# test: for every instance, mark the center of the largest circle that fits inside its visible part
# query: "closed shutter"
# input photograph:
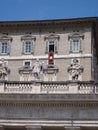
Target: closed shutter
(0, 47)
(71, 45)
(47, 46)
(80, 45)
(32, 47)
(8, 47)
(56, 47)
(23, 47)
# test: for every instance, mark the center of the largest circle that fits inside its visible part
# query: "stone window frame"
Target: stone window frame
(27, 61)
(5, 39)
(51, 38)
(25, 39)
(79, 37)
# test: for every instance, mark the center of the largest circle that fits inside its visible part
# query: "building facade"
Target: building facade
(48, 74)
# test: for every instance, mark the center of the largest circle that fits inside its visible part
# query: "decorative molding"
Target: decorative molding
(71, 104)
(5, 38)
(52, 36)
(32, 57)
(76, 35)
(28, 37)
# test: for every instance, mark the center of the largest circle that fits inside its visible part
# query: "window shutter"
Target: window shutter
(80, 45)
(47, 46)
(23, 47)
(56, 48)
(8, 47)
(71, 45)
(32, 47)
(0, 47)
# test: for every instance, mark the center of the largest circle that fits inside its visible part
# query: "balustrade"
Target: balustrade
(86, 88)
(47, 87)
(54, 88)
(18, 87)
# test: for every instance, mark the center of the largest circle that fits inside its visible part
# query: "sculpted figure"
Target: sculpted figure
(3, 70)
(75, 69)
(37, 68)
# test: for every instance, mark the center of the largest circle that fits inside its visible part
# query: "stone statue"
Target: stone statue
(4, 71)
(75, 69)
(37, 69)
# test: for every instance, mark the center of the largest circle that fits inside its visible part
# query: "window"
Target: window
(51, 41)
(4, 48)
(75, 45)
(28, 48)
(27, 64)
(51, 45)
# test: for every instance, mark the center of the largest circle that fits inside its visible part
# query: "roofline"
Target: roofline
(50, 20)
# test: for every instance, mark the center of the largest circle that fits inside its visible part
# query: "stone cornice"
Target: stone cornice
(5, 38)
(76, 35)
(52, 36)
(28, 37)
(45, 23)
(53, 98)
(50, 105)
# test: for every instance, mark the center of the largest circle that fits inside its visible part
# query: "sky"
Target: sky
(19, 10)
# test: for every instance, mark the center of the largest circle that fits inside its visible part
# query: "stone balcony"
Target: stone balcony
(35, 87)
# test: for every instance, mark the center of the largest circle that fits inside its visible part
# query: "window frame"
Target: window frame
(31, 49)
(4, 50)
(55, 43)
(27, 61)
(75, 47)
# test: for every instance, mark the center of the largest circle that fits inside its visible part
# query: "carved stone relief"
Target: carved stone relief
(4, 71)
(37, 70)
(75, 70)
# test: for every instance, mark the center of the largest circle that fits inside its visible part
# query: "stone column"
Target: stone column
(33, 127)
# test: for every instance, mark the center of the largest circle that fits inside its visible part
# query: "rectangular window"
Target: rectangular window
(4, 48)
(51, 48)
(28, 47)
(51, 45)
(27, 64)
(75, 45)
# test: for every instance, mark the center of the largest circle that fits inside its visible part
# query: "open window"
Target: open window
(52, 43)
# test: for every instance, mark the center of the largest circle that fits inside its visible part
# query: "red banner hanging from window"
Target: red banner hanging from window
(51, 58)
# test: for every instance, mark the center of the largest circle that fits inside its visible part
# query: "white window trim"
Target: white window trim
(8, 47)
(26, 61)
(79, 48)
(55, 45)
(32, 47)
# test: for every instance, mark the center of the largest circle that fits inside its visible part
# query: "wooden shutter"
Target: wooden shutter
(71, 42)
(56, 47)
(8, 47)
(47, 46)
(23, 47)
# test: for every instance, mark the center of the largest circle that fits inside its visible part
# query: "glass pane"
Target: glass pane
(75, 45)
(28, 47)
(4, 47)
